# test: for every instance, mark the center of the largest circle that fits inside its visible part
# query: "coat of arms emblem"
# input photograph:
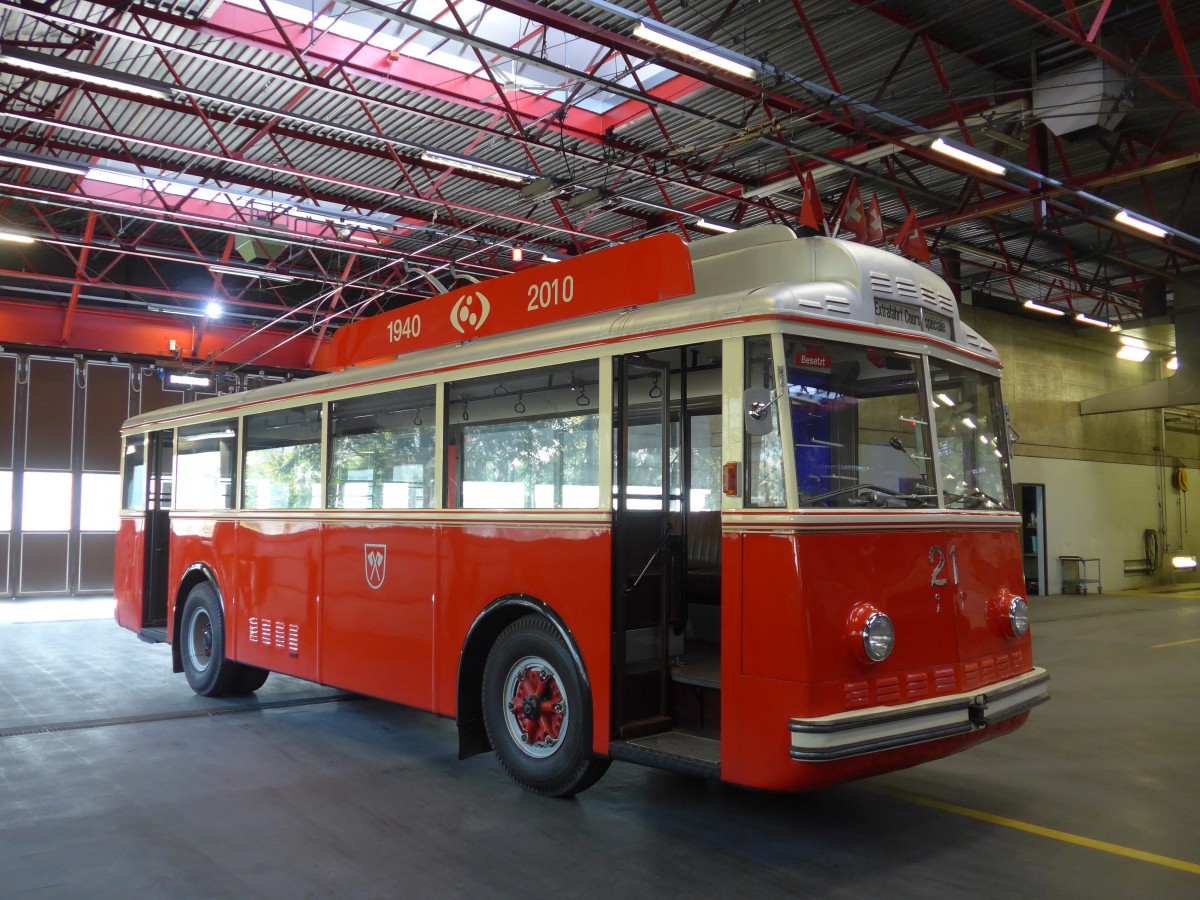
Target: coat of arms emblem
(375, 562)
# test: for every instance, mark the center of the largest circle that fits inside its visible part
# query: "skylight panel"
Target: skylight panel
(499, 27)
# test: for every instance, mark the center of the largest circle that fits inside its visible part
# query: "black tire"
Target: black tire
(251, 679)
(530, 670)
(202, 645)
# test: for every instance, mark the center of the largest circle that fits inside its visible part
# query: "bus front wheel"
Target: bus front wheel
(534, 711)
(202, 647)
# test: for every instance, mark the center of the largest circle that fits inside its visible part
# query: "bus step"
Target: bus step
(676, 751)
(153, 635)
(643, 727)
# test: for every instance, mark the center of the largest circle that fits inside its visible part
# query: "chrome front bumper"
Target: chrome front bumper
(888, 727)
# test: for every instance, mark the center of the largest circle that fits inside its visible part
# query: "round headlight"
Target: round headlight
(1018, 616)
(878, 637)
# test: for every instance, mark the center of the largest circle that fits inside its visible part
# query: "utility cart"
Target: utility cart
(1077, 566)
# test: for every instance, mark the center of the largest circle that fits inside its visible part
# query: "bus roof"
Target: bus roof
(760, 273)
(633, 274)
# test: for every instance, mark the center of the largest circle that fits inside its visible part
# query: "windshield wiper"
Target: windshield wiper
(973, 499)
(870, 495)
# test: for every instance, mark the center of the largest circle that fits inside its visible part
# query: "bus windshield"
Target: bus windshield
(972, 450)
(861, 427)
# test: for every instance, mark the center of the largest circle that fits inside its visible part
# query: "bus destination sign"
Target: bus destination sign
(634, 274)
(913, 318)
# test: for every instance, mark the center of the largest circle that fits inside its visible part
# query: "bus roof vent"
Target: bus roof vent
(838, 305)
(881, 283)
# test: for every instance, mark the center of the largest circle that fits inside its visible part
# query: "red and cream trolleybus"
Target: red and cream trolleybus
(740, 509)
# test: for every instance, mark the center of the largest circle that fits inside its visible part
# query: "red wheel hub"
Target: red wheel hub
(538, 705)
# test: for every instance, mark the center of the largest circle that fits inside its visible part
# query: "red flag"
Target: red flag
(853, 216)
(911, 241)
(874, 222)
(811, 213)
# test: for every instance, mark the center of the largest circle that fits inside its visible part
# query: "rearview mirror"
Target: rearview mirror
(756, 407)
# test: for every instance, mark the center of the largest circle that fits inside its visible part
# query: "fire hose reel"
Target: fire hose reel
(1179, 478)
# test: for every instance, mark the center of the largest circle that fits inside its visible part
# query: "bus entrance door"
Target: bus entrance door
(158, 534)
(666, 560)
(644, 541)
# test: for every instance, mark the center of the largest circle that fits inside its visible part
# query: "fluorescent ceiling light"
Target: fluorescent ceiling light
(1173, 363)
(1183, 562)
(1140, 224)
(550, 257)
(966, 156)
(586, 199)
(42, 162)
(52, 66)
(996, 113)
(715, 226)
(174, 311)
(539, 187)
(945, 398)
(15, 237)
(670, 39)
(966, 420)
(474, 165)
(1132, 353)
(1048, 310)
(1088, 320)
(194, 381)
(661, 207)
(250, 273)
(774, 187)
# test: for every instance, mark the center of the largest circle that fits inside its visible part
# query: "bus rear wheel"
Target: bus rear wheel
(202, 648)
(251, 679)
(534, 711)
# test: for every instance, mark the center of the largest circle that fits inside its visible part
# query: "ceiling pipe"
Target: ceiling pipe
(1182, 388)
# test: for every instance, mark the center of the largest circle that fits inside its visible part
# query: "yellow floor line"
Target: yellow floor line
(1064, 836)
(1175, 643)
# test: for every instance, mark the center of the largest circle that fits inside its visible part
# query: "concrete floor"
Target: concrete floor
(116, 781)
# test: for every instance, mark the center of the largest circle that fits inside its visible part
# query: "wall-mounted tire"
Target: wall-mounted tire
(534, 711)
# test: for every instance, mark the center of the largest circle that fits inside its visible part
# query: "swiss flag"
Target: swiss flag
(811, 213)
(854, 217)
(874, 222)
(911, 240)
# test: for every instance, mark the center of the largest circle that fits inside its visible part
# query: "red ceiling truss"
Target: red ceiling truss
(300, 146)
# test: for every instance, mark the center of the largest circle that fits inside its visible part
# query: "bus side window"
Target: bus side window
(134, 488)
(525, 440)
(204, 461)
(765, 486)
(283, 459)
(382, 451)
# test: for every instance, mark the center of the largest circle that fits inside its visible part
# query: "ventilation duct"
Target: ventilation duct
(1182, 388)
(1086, 97)
(254, 248)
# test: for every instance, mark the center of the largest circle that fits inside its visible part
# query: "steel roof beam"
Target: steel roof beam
(1081, 39)
(926, 29)
(1181, 51)
(592, 136)
(144, 334)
